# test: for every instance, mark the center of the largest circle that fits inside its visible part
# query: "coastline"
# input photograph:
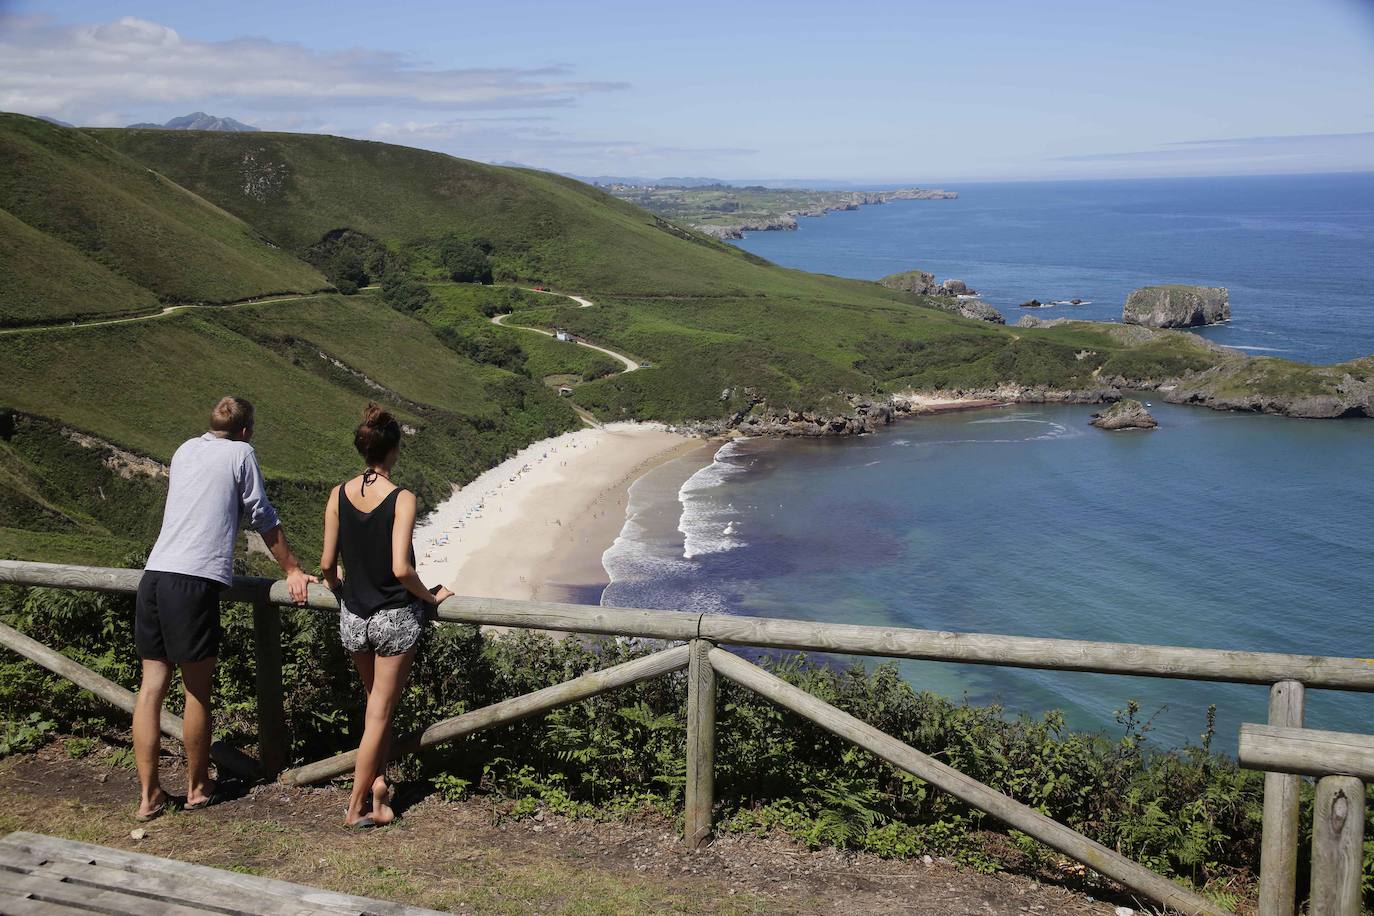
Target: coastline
(535, 526)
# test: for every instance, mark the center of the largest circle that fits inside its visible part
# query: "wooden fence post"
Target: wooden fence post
(701, 745)
(273, 741)
(1279, 845)
(1337, 846)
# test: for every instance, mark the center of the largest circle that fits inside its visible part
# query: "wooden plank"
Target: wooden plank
(208, 896)
(229, 758)
(99, 899)
(579, 688)
(701, 745)
(892, 642)
(1279, 845)
(274, 743)
(1009, 811)
(25, 906)
(1307, 751)
(232, 882)
(1337, 846)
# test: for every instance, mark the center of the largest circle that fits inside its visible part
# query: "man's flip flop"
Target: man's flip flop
(214, 798)
(154, 814)
(363, 823)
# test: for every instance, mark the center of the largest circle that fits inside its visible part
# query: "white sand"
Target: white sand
(542, 518)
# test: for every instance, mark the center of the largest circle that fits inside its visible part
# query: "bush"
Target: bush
(350, 259)
(404, 294)
(466, 261)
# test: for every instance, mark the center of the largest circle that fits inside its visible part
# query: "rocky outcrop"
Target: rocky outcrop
(951, 296)
(1030, 321)
(1263, 385)
(1125, 414)
(1177, 306)
(977, 309)
(912, 281)
(1031, 304)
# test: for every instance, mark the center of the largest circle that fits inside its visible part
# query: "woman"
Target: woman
(368, 522)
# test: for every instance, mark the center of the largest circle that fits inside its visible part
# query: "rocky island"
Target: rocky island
(1126, 413)
(1177, 306)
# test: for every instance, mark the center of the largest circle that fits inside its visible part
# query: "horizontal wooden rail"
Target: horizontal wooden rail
(231, 758)
(1314, 671)
(1306, 751)
(507, 711)
(1011, 812)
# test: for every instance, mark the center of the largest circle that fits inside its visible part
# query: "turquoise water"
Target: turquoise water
(1216, 530)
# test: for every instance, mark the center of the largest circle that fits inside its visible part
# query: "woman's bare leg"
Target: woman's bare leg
(388, 679)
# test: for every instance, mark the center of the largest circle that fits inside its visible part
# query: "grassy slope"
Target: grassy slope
(133, 221)
(45, 279)
(467, 415)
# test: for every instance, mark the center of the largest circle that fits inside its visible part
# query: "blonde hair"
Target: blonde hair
(231, 417)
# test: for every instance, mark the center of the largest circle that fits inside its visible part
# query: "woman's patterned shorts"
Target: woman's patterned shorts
(392, 631)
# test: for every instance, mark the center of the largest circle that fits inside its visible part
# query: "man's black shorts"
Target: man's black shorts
(177, 617)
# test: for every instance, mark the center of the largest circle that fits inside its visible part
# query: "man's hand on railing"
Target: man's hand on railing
(298, 584)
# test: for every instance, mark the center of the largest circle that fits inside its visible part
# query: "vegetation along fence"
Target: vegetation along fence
(1282, 747)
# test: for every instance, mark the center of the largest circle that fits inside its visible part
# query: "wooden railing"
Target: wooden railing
(1288, 676)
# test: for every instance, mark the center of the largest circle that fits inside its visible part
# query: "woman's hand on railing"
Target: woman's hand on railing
(440, 592)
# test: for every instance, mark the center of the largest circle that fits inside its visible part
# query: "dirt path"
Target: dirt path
(169, 310)
(474, 857)
(629, 364)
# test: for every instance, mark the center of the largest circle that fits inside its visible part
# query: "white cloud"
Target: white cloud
(80, 72)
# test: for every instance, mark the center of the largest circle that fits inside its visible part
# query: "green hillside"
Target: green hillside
(132, 222)
(309, 370)
(110, 222)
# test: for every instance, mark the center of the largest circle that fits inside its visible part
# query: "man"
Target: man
(215, 483)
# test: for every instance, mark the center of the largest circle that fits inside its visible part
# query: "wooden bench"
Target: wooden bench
(43, 874)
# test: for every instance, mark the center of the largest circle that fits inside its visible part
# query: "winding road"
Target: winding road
(629, 364)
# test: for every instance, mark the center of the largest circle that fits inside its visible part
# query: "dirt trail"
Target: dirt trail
(629, 364)
(169, 310)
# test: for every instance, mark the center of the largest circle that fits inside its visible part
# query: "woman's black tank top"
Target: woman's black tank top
(369, 585)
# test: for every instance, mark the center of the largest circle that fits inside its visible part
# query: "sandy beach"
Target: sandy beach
(536, 525)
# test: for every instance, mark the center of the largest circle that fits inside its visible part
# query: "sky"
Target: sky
(859, 91)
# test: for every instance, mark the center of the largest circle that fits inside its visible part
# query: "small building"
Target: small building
(564, 391)
(562, 335)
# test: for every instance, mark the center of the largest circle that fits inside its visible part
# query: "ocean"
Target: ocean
(1216, 530)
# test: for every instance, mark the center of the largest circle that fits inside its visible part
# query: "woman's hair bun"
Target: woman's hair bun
(377, 435)
(375, 416)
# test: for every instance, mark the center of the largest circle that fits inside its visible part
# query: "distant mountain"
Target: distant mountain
(54, 121)
(199, 120)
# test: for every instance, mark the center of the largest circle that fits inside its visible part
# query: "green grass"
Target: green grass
(130, 220)
(46, 280)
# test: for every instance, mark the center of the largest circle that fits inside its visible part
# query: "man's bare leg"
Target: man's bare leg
(152, 693)
(197, 678)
